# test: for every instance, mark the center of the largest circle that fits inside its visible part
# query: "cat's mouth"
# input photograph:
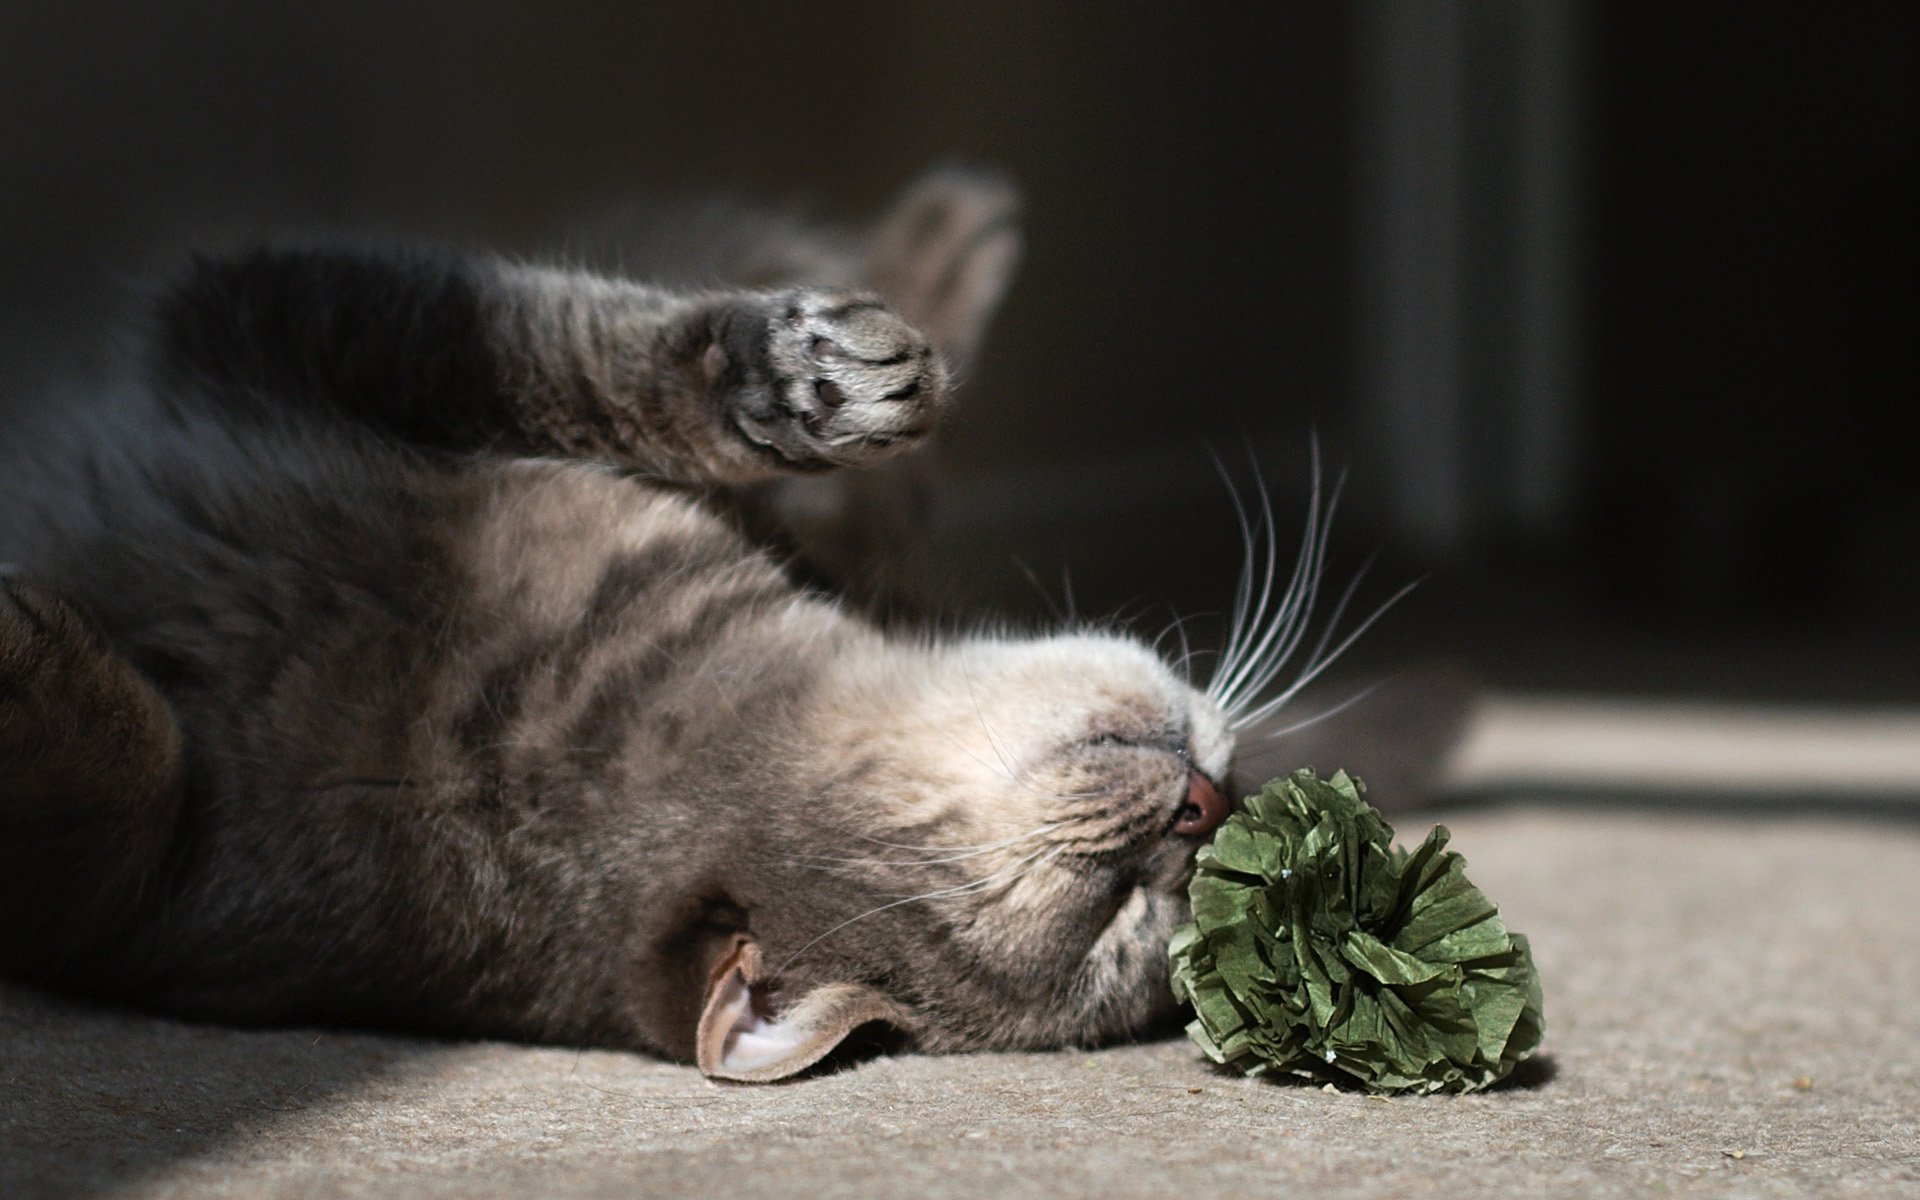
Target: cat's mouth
(1167, 864)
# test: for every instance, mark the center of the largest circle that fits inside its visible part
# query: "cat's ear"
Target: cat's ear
(747, 1034)
(944, 255)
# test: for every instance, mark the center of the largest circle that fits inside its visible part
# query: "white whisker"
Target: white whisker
(1243, 588)
(1246, 654)
(980, 715)
(1013, 774)
(949, 853)
(1265, 631)
(1265, 657)
(1007, 875)
(1335, 711)
(1313, 670)
(1291, 621)
(1031, 863)
(1178, 625)
(1340, 609)
(1045, 597)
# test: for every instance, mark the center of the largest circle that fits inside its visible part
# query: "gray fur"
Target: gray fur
(427, 681)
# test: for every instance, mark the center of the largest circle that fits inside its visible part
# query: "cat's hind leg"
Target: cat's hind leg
(91, 773)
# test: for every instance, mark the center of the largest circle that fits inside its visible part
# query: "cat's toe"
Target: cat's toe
(846, 382)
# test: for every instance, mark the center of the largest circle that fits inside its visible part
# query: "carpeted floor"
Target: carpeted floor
(1733, 1009)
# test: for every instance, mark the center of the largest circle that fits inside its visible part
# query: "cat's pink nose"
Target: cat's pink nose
(1205, 807)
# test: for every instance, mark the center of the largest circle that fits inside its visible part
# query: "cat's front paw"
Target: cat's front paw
(824, 378)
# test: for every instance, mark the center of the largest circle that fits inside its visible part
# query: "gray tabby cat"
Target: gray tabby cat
(396, 657)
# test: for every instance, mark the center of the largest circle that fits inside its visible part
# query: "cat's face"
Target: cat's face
(1094, 772)
(1006, 863)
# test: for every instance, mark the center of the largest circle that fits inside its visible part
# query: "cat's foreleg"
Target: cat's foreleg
(727, 386)
(737, 386)
(91, 774)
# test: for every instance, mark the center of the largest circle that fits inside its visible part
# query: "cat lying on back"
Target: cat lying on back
(396, 658)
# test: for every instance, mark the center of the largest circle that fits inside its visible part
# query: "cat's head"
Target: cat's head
(995, 850)
(998, 862)
(990, 843)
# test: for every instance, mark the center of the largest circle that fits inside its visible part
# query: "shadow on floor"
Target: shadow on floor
(95, 1100)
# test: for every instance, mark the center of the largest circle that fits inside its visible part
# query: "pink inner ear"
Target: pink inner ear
(737, 1040)
(728, 1003)
(739, 1037)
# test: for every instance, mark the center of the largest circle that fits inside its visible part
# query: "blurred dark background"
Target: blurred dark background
(1607, 308)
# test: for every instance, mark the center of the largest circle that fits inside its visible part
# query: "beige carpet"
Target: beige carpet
(1733, 1009)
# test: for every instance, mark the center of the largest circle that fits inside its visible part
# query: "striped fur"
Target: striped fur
(436, 690)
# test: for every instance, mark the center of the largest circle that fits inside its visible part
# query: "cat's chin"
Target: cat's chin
(1132, 948)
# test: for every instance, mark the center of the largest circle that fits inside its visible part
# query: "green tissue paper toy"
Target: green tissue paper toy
(1320, 949)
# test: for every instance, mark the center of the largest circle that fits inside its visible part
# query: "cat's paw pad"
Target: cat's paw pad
(839, 380)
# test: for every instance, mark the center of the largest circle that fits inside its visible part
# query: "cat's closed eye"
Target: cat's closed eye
(1169, 741)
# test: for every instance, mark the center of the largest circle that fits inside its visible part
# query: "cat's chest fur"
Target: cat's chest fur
(536, 690)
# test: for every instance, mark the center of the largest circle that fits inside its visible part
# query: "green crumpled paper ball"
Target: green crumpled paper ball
(1320, 949)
